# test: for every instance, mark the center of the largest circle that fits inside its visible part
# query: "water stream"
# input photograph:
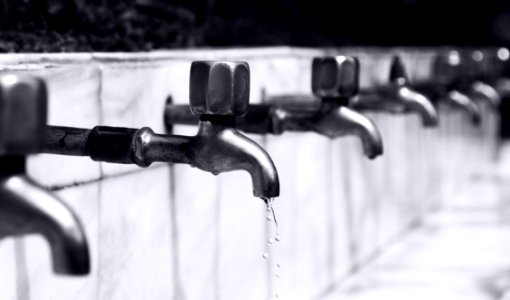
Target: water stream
(271, 217)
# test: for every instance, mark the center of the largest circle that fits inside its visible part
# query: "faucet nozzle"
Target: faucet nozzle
(25, 207)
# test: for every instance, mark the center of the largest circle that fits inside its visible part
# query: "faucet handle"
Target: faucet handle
(474, 64)
(335, 77)
(446, 67)
(23, 114)
(219, 88)
(398, 72)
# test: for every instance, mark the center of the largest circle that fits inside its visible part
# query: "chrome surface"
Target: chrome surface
(335, 80)
(397, 97)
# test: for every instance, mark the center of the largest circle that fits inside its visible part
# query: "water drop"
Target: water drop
(276, 296)
(265, 255)
(277, 275)
(269, 218)
(277, 237)
(279, 265)
(270, 241)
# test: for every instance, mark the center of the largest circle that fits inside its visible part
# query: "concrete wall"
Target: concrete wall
(173, 232)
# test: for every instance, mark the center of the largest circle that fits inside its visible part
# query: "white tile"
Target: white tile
(342, 240)
(13, 278)
(195, 207)
(363, 206)
(134, 95)
(242, 272)
(135, 237)
(302, 209)
(73, 101)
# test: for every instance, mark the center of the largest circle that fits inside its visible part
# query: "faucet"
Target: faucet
(397, 97)
(479, 77)
(501, 73)
(444, 86)
(335, 80)
(219, 92)
(26, 207)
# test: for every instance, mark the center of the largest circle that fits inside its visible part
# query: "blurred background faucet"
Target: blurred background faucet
(443, 88)
(219, 92)
(397, 97)
(501, 71)
(25, 207)
(335, 80)
(479, 77)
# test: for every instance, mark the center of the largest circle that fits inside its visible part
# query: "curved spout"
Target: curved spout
(342, 121)
(218, 149)
(487, 92)
(462, 101)
(417, 102)
(27, 208)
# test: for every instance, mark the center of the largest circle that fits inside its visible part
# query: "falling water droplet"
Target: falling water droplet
(270, 241)
(279, 265)
(277, 296)
(277, 237)
(265, 255)
(277, 275)
(269, 218)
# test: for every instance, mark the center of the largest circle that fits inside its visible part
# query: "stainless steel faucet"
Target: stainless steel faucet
(478, 71)
(25, 207)
(501, 71)
(397, 97)
(444, 86)
(219, 91)
(335, 80)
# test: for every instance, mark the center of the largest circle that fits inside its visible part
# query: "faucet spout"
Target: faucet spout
(27, 208)
(487, 92)
(419, 103)
(218, 148)
(462, 101)
(342, 121)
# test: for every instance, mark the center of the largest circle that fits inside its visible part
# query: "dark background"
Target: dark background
(137, 25)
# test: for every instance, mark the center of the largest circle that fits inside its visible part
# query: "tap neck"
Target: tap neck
(335, 101)
(211, 125)
(222, 121)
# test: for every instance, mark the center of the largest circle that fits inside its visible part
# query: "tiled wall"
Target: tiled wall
(173, 232)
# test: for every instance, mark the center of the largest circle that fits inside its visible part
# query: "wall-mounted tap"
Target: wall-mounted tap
(25, 207)
(219, 91)
(480, 78)
(335, 80)
(397, 97)
(444, 88)
(501, 73)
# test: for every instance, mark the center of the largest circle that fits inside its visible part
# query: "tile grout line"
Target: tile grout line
(174, 237)
(22, 276)
(100, 186)
(217, 245)
(55, 188)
